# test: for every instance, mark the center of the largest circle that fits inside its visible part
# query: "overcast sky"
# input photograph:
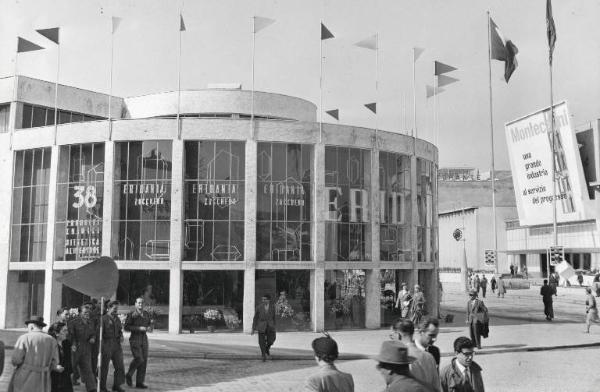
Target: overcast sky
(217, 48)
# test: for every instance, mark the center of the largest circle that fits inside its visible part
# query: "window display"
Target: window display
(425, 184)
(283, 217)
(79, 196)
(30, 204)
(214, 200)
(345, 299)
(142, 200)
(153, 286)
(395, 207)
(347, 198)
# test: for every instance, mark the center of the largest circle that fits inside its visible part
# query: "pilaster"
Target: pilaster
(50, 305)
(175, 247)
(250, 234)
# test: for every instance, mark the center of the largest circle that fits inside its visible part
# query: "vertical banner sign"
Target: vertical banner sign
(529, 142)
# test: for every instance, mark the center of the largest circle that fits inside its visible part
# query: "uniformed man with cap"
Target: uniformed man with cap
(82, 331)
(138, 322)
(112, 337)
(328, 378)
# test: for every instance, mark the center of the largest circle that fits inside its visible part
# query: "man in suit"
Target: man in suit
(546, 293)
(428, 332)
(264, 323)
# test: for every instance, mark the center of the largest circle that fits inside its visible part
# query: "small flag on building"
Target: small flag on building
(335, 113)
(503, 50)
(325, 33)
(368, 43)
(116, 21)
(262, 23)
(52, 34)
(26, 46)
(550, 29)
(430, 91)
(444, 80)
(441, 68)
(372, 107)
(417, 53)
(181, 23)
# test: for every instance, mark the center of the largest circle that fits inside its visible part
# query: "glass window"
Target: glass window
(425, 185)
(222, 291)
(347, 198)
(27, 115)
(395, 207)
(142, 200)
(4, 117)
(214, 200)
(30, 204)
(79, 200)
(39, 117)
(153, 286)
(345, 299)
(283, 218)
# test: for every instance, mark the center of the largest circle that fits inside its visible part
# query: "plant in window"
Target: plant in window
(212, 315)
(282, 307)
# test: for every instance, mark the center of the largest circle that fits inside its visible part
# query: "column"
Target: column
(6, 175)
(250, 234)
(50, 305)
(176, 244)
(415, 217)
(107, 199)
(372, 285)
(317, 276)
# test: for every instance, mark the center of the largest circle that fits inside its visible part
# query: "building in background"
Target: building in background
(211, 211)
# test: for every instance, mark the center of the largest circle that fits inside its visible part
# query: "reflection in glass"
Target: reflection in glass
(153, 287)
(345, 299)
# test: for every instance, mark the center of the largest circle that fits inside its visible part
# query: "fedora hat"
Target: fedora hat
(38, 320)
(395, 353)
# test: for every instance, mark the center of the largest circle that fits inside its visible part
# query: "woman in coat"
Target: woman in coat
(501, 287)
(61, 382)
(476, 318)
(418, 306)
(403, 301)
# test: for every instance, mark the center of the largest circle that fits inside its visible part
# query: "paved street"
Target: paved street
(523, 353)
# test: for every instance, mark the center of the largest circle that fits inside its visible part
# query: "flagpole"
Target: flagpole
(112, 45)
(252, 94)
(554, 228)
(321, 86)
(99, 365)
(179, 81)
(56, 93)
(15, 88)
(376, 81)
(414, 84)
(493, 172)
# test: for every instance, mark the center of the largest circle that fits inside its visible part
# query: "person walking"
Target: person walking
(264, 324)
(424, 368)
(138, 322)
(493, 284)
(112, 337)
(428, 332)
(61, 381)
(393, 363)
(476, 283)
(512, 270)
(553, 282)
(328, 378)
(35, 355)
(546, 293)
(83, 335)
(403, 301)
(418, 306)
(476, 318)
(483, 284)
(591, 309)
(501, 287)
(462, 374)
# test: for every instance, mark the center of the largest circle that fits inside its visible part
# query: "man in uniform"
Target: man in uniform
(137, 322)
(112, 337)
(83, 335)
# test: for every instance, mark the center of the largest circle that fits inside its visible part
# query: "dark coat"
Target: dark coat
(452, 379)
(61, 382)
(263, 318)
(546, 292)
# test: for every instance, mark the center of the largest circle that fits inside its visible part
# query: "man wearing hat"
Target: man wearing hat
(328, 378)
(264, 323)
(462, 374)
(477, 318)
(112, 337)
(35, 356)
(82, 332)
(393, 361)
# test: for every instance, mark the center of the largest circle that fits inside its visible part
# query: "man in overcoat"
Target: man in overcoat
(462, 374)
(264, 324)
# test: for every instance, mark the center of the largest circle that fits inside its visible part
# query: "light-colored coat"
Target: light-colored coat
(501, 287)
(35, 356)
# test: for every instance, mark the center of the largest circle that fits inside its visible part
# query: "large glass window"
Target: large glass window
(395, 207)
(25, 296)
(153, 286)
(142, 200)
(347, 197)
(214, 200)
(4, 117)
(39, 116)
(425, 183)
(30, 204)
(79, 195)
(345, 303)
(283, 219)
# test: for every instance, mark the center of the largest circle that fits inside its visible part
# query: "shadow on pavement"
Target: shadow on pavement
(505, 346)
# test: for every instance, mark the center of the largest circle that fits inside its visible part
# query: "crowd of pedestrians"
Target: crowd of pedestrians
(55, 361)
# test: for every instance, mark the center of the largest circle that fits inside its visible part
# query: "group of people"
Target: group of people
(481, 284)
(54, 361)
(408, 362)
(411, 305)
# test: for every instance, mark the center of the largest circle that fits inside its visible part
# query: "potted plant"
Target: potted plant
(211, 316)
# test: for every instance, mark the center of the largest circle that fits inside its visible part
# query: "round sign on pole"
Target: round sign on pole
(457, 234)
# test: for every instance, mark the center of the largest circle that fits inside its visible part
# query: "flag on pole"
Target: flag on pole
(441, 68)
(503, 50)
(372, 106)
(261, 23)
(116, 21)
(444, 80)
(368, 43)
(181, 23)
(417, 53)
(26, 46)
(335, 113)
(325, 33)
(430, 91)
(52, 34)
(550, 29)
(99, 278)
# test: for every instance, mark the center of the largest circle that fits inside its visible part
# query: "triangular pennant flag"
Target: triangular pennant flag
(325, 33)
(52, 34)
(430, 91)
(372, 106)
(116, 21)
(99, 278)
(368, 43)
(441, 68)
(444, 80)
(417, 52)
(26, 46)
(503, 50)
(335, 113)
(181, 23)
(550, 29)
(261, 23)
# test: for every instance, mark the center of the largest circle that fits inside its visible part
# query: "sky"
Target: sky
(217, 48)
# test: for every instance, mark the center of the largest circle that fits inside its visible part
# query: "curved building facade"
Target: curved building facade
(209, 209)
